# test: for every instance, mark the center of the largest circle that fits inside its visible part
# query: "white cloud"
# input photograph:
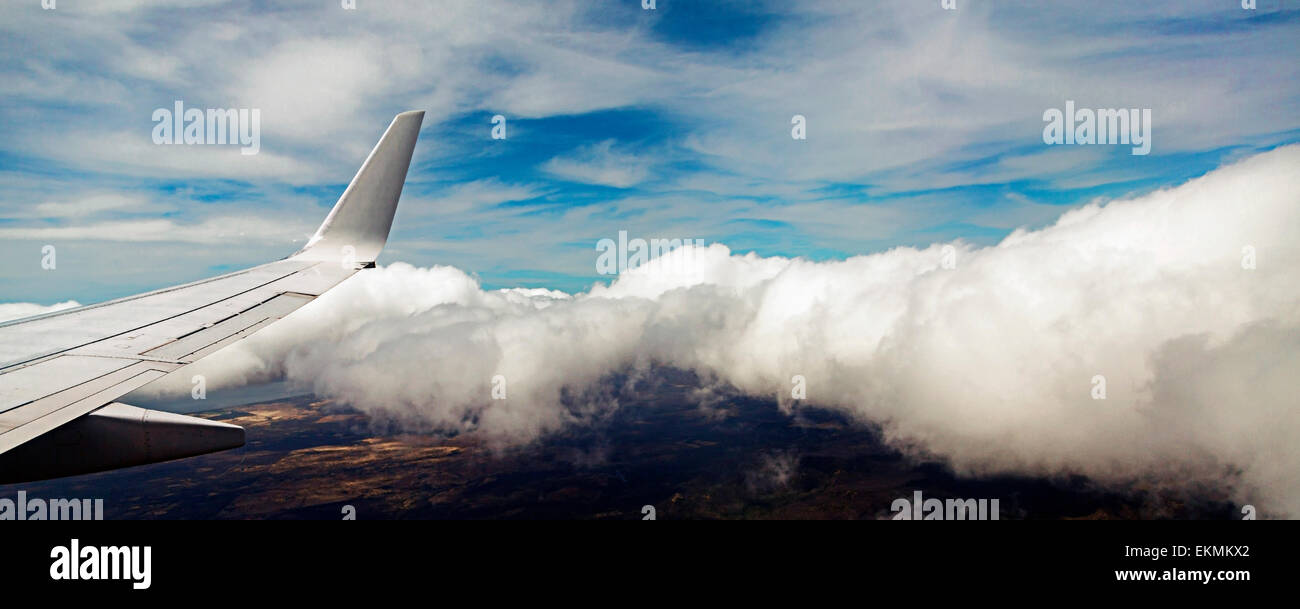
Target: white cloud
(601, 164)
(218, 230)
(135, 154)
(309, 87)
(86, 205)
(897, 94)
(987, 366)
(474, 196)
(19, 310)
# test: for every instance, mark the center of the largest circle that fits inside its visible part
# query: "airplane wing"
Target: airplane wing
(60, 373)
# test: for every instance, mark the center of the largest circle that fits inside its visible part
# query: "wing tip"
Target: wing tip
(363, 215)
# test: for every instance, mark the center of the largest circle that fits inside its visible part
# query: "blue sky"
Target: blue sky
(924, 125)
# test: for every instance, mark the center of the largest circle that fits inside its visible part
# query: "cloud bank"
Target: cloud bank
(19, 310)
(988, 366)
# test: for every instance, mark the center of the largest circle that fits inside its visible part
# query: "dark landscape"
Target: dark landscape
(737, 458)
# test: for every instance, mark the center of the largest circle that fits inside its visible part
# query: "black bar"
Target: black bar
(315, 558)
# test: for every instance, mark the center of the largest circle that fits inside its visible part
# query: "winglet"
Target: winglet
(357, 228)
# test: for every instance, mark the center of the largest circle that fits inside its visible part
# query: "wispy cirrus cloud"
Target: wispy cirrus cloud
(601, 164)
(923, 124)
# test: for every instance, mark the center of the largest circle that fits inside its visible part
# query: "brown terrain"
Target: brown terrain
(742, 458)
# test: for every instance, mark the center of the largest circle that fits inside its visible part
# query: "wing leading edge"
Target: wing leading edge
(61, 373)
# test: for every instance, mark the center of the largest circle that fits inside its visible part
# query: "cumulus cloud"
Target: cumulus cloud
(988, 366)
(19, 310)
